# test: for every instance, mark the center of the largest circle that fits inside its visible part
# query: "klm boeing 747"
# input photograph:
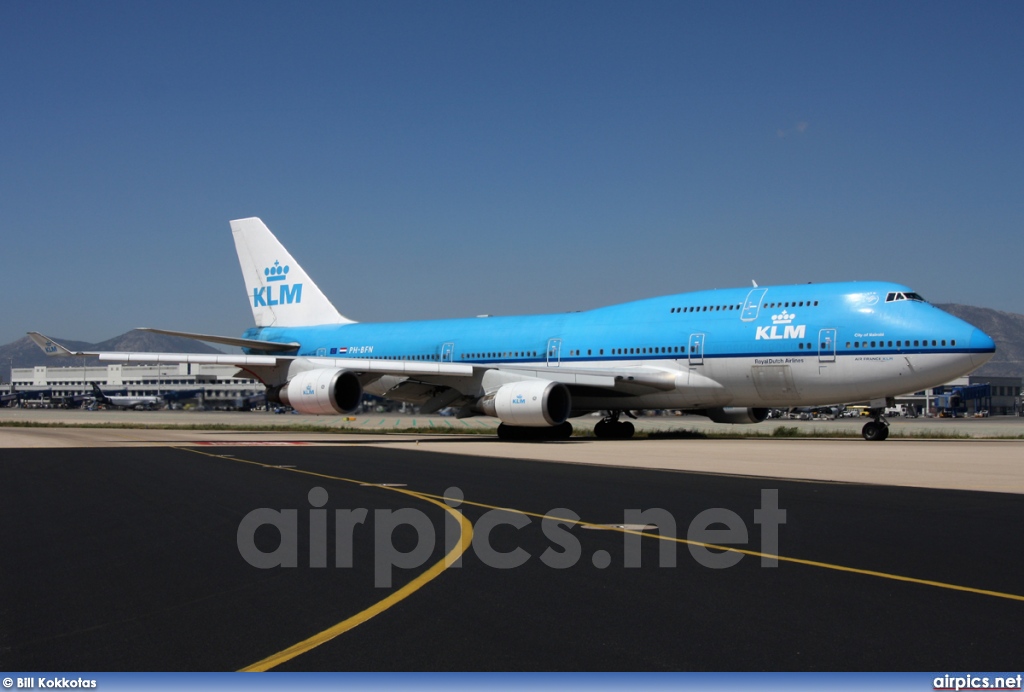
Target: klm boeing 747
(730, 355)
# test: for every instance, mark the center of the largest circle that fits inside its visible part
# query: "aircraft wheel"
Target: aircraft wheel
(562, 432)
(614, 430)
(875, 431)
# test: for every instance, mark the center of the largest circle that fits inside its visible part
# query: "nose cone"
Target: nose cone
(982, 348)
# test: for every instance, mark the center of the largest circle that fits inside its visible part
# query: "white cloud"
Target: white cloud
(797, 129)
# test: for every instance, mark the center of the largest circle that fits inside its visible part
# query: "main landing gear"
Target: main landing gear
(611, 428)
(877, 429)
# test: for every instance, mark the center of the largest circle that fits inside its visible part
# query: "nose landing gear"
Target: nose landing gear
(877, 429)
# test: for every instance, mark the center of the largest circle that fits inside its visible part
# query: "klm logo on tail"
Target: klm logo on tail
(285, 294)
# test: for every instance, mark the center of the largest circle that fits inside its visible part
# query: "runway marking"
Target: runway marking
(263, 443)
(435, 570)
(466, 539)
(752, 553)
(628, 527)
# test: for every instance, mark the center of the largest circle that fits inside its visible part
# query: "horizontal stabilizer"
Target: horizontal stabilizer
(52, 348)
(228, 340)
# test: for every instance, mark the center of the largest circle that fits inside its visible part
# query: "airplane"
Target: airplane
(15, 396)
(730, 355)
(126, 401)
(12, 398)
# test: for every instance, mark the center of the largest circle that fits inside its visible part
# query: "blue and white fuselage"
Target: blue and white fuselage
(778, 346)
(730, 354)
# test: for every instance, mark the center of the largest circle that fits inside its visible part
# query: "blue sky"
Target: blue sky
(429, 159)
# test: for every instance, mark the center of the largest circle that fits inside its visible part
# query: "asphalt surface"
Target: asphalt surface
(129, 559)
(1000, 426)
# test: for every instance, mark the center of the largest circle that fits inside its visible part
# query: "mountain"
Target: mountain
(25, 354)
(1007, 328)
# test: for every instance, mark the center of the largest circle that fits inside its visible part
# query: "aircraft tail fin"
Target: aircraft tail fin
(280, 292)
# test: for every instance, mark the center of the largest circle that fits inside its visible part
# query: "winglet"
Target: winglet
(51, 347)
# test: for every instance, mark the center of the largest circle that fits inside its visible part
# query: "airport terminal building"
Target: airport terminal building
(970, 395)
(201, 385)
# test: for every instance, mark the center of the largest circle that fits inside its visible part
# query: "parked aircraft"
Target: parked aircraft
(127, 401)
(728, 354)
(15, 396)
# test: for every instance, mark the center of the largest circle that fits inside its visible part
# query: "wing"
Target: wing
(431, 384)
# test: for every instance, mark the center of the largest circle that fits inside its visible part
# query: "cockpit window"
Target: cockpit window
(894, 296)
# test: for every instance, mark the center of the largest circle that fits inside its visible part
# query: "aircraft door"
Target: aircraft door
(827, 346)
(447, 351)
(752, 304)
(554, 353)
(321, 352)
(696, 350)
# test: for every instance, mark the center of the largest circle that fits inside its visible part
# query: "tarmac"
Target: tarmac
(125, 549)
(997, 427)
(991, 459)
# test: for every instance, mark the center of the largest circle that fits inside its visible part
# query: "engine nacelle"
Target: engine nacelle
(530, 403)
(320, 392)
(734, 415)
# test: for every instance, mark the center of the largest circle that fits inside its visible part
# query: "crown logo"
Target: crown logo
(784, 317)
(277, 272)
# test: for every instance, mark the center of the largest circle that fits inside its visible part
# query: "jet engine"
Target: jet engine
(734, 415)
(320, 392)
(529, 403)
